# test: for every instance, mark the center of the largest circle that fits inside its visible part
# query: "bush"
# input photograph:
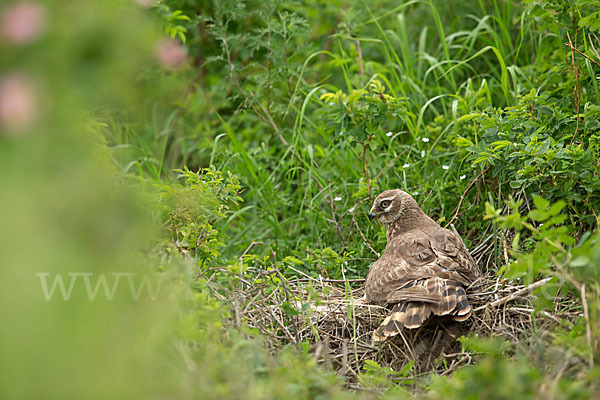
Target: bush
(198, 143)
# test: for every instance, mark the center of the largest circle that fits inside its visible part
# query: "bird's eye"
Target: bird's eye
(385, 203)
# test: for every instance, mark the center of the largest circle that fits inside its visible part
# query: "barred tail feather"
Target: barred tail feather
(404, 315)
(452, 302)
(463, 308)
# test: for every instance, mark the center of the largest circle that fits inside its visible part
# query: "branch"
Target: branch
(464, 194)
(570, 45)
(248, 249)
(363, 236)
(513, 296)
(578, 88)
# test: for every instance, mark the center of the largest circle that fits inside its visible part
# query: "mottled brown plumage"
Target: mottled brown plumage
(424, 271)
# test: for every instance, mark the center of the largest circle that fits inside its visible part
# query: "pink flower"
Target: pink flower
(145, 3)
(17, 104)
(22, 22)
(170, 53)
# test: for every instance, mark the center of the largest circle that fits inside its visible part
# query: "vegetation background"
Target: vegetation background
(197, 142)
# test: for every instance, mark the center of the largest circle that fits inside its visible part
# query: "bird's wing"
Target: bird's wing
(415, 256)
(386, 275)
(439, 253)
(453, 255)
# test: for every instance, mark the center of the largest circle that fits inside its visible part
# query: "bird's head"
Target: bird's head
(390, 205)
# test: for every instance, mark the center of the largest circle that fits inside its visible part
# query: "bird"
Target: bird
(424, 271)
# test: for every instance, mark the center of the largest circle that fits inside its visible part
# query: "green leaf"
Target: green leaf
(371, 366)
(557, 207)
(580, 261)
(540, 202)
(293, 260)
(499, 144)
(538, 215)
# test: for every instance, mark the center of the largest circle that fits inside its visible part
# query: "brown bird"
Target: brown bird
(424, 271)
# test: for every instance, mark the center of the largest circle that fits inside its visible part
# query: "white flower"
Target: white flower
(338, 198)
(425, 140)
(406, 165)
(462, 177)
(389, 134)
(415, 193)
(445, 167)
(422, 153)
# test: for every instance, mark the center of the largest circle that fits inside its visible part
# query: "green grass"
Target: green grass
(313, 108)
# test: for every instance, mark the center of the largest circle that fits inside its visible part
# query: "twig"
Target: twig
(593, 48)
(588, 329)
(570, 45)
(248, 249)
(513, 296)
(363, 236)
(334, 280)
(462, 198)
(578, 88)
(361, 68)
(338, 230)
(242, 281)
(365, 145)
(345, 367)
(310, 278)
(481, 245)
(285, 289)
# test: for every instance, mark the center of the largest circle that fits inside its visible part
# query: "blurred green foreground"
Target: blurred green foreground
(87, 310)
(101, 293)
(63, 210)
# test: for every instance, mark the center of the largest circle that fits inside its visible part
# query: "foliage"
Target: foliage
(261, 150)
(189, 210)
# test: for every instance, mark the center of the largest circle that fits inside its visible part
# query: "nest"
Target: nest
(339, 323)
(334, 317)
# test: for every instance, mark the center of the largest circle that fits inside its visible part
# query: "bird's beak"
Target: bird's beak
(372, 215)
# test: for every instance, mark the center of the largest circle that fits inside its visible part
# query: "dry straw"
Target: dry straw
(333, 316)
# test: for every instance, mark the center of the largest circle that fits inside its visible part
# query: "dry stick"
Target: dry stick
(285, 290)
(583, 54)
(302, 273)
(587, 203)
(365, 144)
(588, 329)
(345, 367)
(593, 48)
(462, 198)
(242, 263)
(282, 325)
(513, 296)
(361, 68)
(544, 313)
(334, 280)
(363, 236)
(338, 230)
(481, 245)
(578, 88)
(248, 249)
